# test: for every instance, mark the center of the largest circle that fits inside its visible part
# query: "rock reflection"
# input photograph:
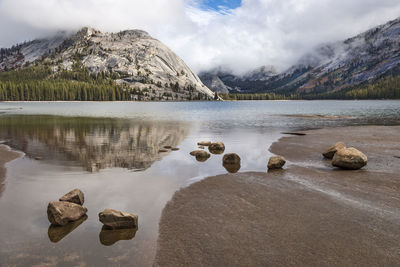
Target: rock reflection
(57, 233)
(232, 168)
(95, 143)
(109, 237)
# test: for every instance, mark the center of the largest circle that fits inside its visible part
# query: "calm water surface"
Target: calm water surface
(110, 151)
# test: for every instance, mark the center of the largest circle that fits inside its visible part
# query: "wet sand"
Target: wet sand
(6, 155)
(309, 214)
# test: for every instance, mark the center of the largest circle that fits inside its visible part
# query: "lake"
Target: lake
(110, 150)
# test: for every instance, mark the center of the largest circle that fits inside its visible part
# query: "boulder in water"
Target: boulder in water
(117, 219)
(231, 158)
(75, 196)
(216, 148)
(204, 143)
(200, 155)
(63, 212)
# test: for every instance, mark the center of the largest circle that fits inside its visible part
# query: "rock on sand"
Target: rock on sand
(349, 159)
(276, 162)
(330, 152)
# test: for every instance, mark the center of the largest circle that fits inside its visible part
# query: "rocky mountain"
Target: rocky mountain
(130, 58)
(330, 68)
(213, 81)
(223, 81)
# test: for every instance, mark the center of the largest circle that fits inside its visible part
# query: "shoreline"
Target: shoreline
(224, 100)
(307, 214)
(6, 155)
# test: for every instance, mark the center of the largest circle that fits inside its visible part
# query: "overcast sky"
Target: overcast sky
(239, 35)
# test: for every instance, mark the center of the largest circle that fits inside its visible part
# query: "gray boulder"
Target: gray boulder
(63, 212)
(117, 219)
(75, 196)
(349, 159)
(330, 152)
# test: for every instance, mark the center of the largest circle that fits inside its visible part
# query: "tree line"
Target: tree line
(40, 83)
(387, 87)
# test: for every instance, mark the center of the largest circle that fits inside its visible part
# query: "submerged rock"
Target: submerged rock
(175, 148)
(204, 143)
(162, 150)
(117, 219)
(63, 212)
(217, 148)
(330, 152)
(201, 147)
(349, 159)
(167, 147)
(75, 196)
(109, 237)
(276, 162)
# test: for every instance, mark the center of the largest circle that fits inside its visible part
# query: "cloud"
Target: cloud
(259, 32)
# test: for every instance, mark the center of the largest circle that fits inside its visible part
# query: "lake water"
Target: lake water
(111, 152)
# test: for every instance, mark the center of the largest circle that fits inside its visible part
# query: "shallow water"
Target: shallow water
(110, 151)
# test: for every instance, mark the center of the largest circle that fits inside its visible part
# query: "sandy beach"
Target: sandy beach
(6, 155)
(308, 214)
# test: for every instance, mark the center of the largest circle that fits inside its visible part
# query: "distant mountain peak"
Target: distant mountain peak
(330, 67)
(131, 56)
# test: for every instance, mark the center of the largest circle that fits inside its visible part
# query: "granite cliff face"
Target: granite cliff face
(328, 68)
(130, 57)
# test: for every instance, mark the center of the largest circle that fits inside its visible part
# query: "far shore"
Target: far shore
(176, 101)
(309, 214)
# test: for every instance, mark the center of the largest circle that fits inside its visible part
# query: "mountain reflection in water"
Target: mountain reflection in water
(94, 143)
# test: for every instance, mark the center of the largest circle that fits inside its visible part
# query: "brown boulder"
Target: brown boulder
(204, 143)
(231, 158)
(217, 148)
(276, 162)
(231, 162)
(349, 159)
(75, 196)
(330, 152)
(63, 212)
(200, 155)
(117, 219)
